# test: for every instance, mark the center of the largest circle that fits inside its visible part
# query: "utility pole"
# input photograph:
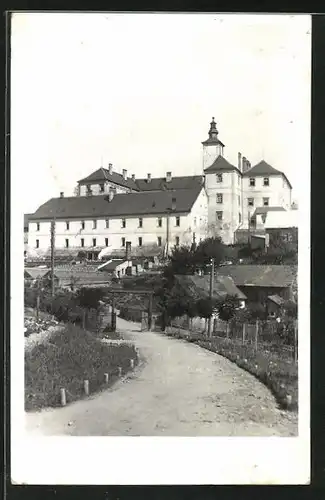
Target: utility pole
(211, 295)
(52, 255)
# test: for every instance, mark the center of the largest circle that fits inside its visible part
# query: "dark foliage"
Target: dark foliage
(226, 307)
(89, 298)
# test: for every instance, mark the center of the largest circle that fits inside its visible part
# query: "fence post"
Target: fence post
(63, 397)
(256, 335)
(244, 333)
(295, 348)
(86, 387)
(37, 306)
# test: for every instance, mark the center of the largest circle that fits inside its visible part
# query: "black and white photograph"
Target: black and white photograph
(160, 191)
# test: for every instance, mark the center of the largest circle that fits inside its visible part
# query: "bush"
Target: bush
(71, 356)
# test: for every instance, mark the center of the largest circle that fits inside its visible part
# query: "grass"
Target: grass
(71, 356)
(272, 365)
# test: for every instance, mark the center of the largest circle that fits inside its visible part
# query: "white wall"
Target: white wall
(211, 153)
(149, 232)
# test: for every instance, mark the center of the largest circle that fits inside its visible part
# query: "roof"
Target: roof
(81, 275)
(26, 219)
(160, 184)
(102, 174)
(263, 168)
(111, 265)
(282, 220)
(130, 204)
(199, 286)
(265, 210)
(279, 276)
(35, 272)
(279, 301)
(220, 165)
(212, 142)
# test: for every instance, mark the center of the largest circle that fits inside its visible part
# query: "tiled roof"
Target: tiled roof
(199, 286)
(219, 165)
(81, 275)
(131, 204)
(212, 142)
(160, 183)
(35, 272)
(102, 174)
(112, 265)
(263, 168)
(279, 301)
(254, 275)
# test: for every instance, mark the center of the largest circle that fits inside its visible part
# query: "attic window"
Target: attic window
(219, 177)
(252, 181)
(266, 181)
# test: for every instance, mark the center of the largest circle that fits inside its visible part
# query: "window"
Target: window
(94, 224)
(159, 221)
(266, 202)
(219, 198)
(219, 215)
(219, 177)
(82, 242)
(67, 226)
(194, 221)
(178, 221)
(67, 243)
(94, 242)
(140, 222)
(82, 224)
(123, 242)
(140, 241)
(266, 181)
(123, 223)
(37, 243)
(159, 241)
(101, 188)
(252, 181)
(177, 241)
(250, 202)
(106, 242)
(37, 226)
(107, 223)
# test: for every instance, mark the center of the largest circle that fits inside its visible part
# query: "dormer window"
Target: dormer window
(219, 178)
(266, 181)
(252, 181)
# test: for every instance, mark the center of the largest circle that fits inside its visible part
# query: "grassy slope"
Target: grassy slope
(72, 356)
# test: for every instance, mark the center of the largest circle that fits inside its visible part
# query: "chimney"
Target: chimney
(148, 178)
(128, 250)
(110, 168)
(173, 203)
(62, 194)
(244, 164)
(124, 173)
(248, 165)
(168, 177)
(110, 194)
(133, 177)
(239, 162)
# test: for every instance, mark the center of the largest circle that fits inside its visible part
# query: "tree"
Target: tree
(208, 249)
(226, 307)
(182, 261)
(90, 297)
(205, 307)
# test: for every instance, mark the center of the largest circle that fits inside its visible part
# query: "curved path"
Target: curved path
(179, 389)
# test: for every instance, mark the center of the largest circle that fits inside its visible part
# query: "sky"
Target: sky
(139, 91)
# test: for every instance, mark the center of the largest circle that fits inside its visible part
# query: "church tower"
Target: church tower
(212, 147)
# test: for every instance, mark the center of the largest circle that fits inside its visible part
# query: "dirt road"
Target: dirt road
(179, 389)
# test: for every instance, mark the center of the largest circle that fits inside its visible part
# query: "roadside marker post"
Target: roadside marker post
(63, 397)
(86, 387)
(106, 378)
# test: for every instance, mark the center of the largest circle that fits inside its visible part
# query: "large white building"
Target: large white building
(110, 208)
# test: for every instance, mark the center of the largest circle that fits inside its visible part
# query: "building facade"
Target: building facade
(111, 208)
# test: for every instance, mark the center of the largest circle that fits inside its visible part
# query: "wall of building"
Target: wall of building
(231, 207)
(150, 232)
(278, 192)
(96, 188)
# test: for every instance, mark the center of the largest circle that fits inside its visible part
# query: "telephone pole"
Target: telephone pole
(52, 255)
(211, 295)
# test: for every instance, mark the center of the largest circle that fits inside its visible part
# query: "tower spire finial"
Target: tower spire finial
(213, 132)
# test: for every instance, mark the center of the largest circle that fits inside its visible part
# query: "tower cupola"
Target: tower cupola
(212, 147)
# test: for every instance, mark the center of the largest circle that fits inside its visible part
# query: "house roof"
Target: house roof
(102, 174)
(220, 165)
(26, 219)
(212, 142)
(81, 275)
(282, 220)
(199, 286)
(160, 184)
(263, 168)
(111, 265)
(265, 210)
(35, 272)
(279, 301)
(265, 276)
(131, 204)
